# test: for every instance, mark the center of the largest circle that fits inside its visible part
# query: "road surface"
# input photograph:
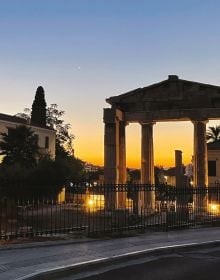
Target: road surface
(193, 264)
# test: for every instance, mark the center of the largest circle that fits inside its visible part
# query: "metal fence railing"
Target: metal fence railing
(110, 208)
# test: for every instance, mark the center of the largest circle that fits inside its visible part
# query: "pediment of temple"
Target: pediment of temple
(171, 94)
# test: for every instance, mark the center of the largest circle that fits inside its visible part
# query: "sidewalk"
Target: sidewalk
(20, 262)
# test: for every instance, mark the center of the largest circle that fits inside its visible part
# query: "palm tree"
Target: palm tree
(213, 134)
(19, 145)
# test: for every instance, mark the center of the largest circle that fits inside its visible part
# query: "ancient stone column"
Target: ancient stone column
(122, 153)
(181, 191)
(111, 158)
(200, 165)
(147, 163)
(110, 154)
(122, 177)
(179, 168)
(115, 159)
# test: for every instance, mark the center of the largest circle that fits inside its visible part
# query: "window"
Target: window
(10, 130)
(36, 136)
(212, 168)
(46, 142)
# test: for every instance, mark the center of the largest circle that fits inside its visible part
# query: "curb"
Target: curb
(45, 244)
(58, 242)
(104, 262)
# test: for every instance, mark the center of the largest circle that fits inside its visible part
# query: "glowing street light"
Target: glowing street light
(90, 202)
(214, 208)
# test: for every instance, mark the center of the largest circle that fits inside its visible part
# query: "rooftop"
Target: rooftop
(9, 118)
(19, 120)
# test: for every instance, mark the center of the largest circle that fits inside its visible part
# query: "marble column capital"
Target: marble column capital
(203, 121)
(148, 123)
(125, 123)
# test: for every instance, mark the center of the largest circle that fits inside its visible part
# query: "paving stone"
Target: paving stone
(18, 262)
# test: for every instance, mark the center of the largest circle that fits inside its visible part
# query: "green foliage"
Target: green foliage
(44, 180)
(94, 175)
(38, 114)
(64, 139)
(213, 133)
(158, 175)
(19, 146)
(54, 120)
(134, 175)
(13, 180)
(24, 178)
(73, 168)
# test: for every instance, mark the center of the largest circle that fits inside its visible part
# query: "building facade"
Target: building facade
(214, 163)
(46, 138)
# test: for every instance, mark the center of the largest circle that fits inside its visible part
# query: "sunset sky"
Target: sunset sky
(83, 51)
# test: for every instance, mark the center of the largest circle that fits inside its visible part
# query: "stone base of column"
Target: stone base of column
(140, 202)
(146, 204)
(200, 204)
(110, 201)
(121, 200)
(150, 201)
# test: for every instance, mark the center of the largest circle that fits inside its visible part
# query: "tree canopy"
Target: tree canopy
(24, 172)
(54, 120)
(64, 138)
(19, 146)
(213, 133)
(38, 113)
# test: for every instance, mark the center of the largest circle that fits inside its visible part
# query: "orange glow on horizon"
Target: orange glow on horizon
(168, 137)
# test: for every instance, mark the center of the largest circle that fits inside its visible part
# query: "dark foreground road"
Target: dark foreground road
(191, 264)
(177, 268)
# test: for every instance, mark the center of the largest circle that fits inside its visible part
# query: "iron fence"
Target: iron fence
(105, 209)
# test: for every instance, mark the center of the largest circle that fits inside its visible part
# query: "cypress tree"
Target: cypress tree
(38, 113)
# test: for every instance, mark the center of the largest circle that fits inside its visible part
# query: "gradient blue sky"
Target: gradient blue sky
(83, 51)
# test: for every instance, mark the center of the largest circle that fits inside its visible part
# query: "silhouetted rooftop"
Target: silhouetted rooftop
(19, 120)
(171, 79)
(10, 118)
(214, 145)
(170, 172)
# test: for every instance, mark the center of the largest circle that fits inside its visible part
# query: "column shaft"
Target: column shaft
(178, 169)
(200, 154)
(122, 153)
(111, 154)
(200, 172)
(122, 177)
(111, 167)
(147, 164)
(147, 154)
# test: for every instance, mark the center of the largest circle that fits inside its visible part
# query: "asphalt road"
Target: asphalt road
(203, 264)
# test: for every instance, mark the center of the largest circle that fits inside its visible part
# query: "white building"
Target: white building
(214, 163)
(46, 137)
